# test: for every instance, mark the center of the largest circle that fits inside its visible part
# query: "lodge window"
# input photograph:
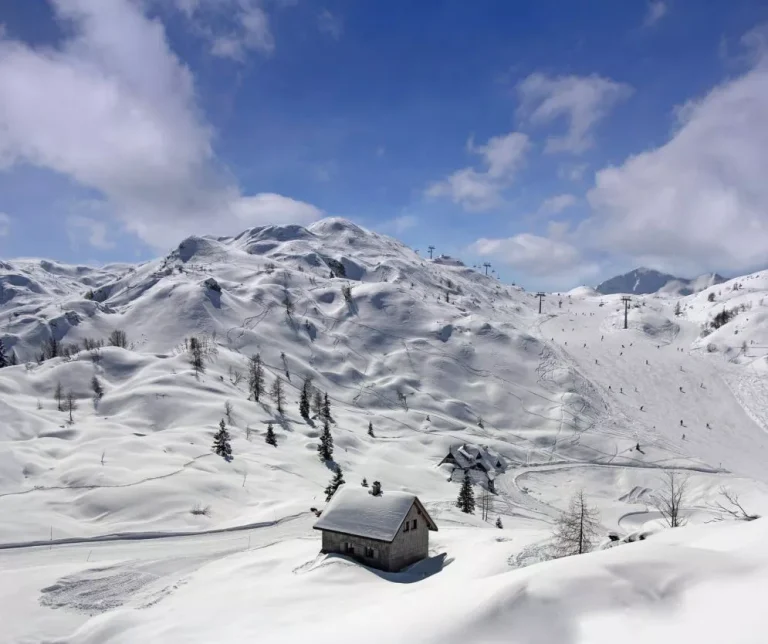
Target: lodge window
(406, 528)
(349, 548)
(414, 524)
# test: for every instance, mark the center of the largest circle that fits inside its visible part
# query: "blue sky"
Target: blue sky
(561, 141)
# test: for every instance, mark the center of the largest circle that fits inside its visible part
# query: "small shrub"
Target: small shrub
(200, 510)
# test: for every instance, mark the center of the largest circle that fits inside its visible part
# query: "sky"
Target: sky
(562, 142)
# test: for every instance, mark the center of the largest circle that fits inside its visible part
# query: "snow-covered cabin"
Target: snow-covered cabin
(469, 457)
(388, 532)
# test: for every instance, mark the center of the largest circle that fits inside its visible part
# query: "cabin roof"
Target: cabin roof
(355, 511)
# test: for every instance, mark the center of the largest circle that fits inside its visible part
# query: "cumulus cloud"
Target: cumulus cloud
(656, 10)
(556, 204)
(113, 109)
(697, 203)
(536, 256)
(477, 190)
(231, 28)
(582, 101)
(5, 224)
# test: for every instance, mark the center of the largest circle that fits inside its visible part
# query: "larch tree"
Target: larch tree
(670, 498)
(577, 528)
(58, 396)
(221, 444)
(255, 377)
(70, 404)
(466, 500)
(325, 446)
(336, 482)
(278, 395)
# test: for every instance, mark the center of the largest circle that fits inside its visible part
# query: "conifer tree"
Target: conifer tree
(466, 500)
(255, 377)
(325, 447)
(376, 488)
(98, 390)
(370, 429)
(278, 396)
(271, 439)
(364, 482)
(499, 524)
(326, 407)
(221, 442)
(196, 356)
(4, 361)
(58, 395)
(336, 482)
(306, 392)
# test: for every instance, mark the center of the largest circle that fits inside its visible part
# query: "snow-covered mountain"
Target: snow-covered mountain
(643, 281)
(449, 367)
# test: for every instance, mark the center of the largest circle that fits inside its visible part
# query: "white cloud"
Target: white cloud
(5, 225)
(696, 203)
(330, 24)
(95, 232)
(403, 223)
(581, 100)
(572, 171)
(657, 9)
(232, 28)
(114, 109)
(556, 204)
(536, 256)
(475, 190)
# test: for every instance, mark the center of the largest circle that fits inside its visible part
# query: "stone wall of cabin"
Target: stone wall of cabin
(335, 542)
(413, 545)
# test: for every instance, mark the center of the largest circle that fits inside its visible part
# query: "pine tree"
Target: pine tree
(678, 310)
(376, 488)
(364, 482)
(325, 447)
(317, 404)
(255, 377)
(499, 524)
(4, 362)
(576, 529)
(370, 429)
(271, 439)
(196, 356)
(336, 482)
(221, 442)
(58, 395)
(306, 392)
(326, 407)
(277, 394)
(466, 500)
(98, 390)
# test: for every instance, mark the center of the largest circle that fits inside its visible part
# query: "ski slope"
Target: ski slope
(431, 352)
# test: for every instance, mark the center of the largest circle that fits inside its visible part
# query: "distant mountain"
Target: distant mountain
(642, 281)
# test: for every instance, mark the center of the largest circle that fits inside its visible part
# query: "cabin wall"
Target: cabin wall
(412, 545)
(335, 542)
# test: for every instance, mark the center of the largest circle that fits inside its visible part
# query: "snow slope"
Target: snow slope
(434, 354)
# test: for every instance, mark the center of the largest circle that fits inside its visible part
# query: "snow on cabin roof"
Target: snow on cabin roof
(354, 510)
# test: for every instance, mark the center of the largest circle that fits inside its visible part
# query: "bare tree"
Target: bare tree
(118, 338)
(577, 528)
(58, 396)
(670, 498)
(235, 376)
(98, 391)
(255, 377)
(70, 404)
(732, 506)
(278, 396)
(486, 504)
(228, 411)
(196, 356)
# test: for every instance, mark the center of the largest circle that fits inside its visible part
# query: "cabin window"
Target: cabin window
(349, 548)
(371, 553)
(406, 528)
(414, 524)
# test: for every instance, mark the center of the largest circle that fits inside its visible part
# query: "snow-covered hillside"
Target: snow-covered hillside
(433, 354)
